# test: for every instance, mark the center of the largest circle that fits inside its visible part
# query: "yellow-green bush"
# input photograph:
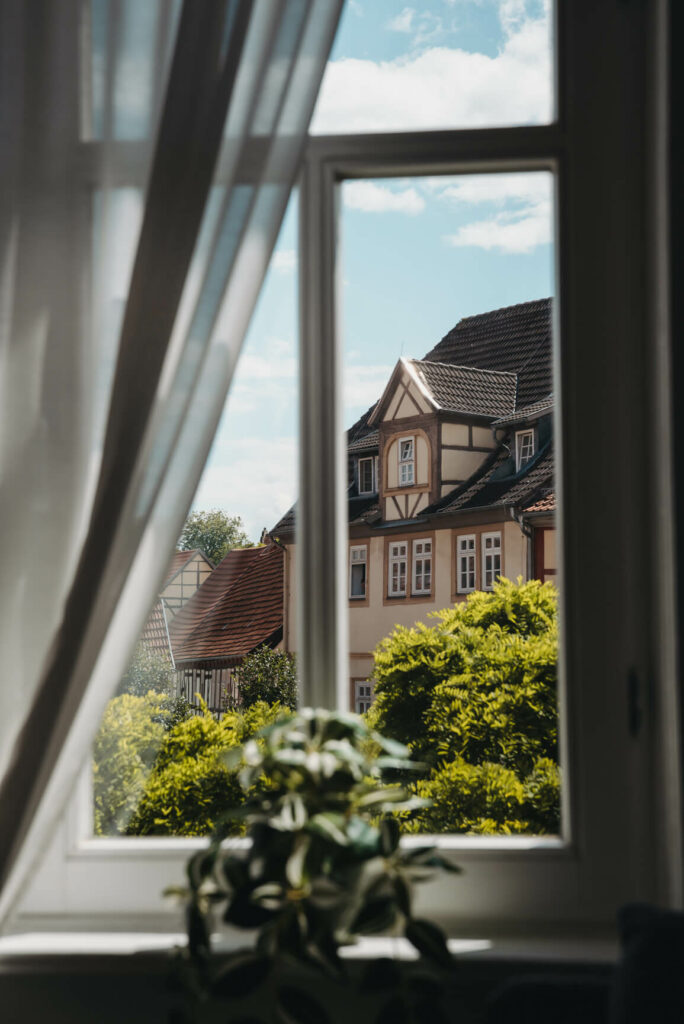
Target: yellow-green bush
(190, 786)
(474, 696)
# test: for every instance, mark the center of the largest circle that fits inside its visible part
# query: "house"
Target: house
(187, 572)
(450, 480)
(238, 608)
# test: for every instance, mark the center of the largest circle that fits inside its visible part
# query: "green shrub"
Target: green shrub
(474, 696)
(125, 747)
(148, 670)
(270, 676)
(190, 785)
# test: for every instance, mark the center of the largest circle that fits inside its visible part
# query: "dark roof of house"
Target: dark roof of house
(515, 338)
(467, 389)
(365, 443)
(527, 413)
(496, 483)
(246, 610)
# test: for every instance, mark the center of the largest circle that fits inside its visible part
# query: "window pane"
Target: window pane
(439, 65)
(448, 286)
(215, 639)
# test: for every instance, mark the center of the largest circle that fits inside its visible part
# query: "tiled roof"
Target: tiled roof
(529, 412)
(494, 484)
(179, 559)
(515, 338)
(467, 389)
(365, 443)
(155, 636)
(545, 504)
(246, 611)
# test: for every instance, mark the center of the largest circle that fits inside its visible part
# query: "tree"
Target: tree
(474, 696)
(267, 675)
(148, 670)
(214, 532)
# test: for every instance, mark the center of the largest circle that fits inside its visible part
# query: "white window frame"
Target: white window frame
(524, 452)
(421, 557)
(373, 472)
(467, 554)
(363, 695)
(397, 556)
(406, 467)
(493, 551)
(614, 847)
(358, 555)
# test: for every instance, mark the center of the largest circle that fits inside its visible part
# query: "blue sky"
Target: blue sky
(417, 254)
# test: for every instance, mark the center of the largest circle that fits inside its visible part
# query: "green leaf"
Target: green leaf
(403, 895)
(298, 1007)
(380, 975)
(331, 826)
(389, 836)
(294, 868)
(430, 941)
(243, 974)
(375, 916)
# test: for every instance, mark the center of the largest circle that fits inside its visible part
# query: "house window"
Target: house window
(524, 448)
(465, 564)
(358, 560)
(396, 581)
(406, 462)
(422, 566)
(367, 476)
(363, 696)
(491, 559)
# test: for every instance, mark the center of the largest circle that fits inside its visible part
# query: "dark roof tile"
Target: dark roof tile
(467, 389)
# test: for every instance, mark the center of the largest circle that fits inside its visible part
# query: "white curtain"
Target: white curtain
(147, 151)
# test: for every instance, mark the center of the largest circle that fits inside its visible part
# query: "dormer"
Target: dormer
(434, 422)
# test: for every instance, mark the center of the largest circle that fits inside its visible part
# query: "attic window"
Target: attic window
(406, 462)
(368, 475)
(524, 448)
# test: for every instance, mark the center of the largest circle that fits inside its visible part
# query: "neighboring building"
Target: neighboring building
(450, 481)
(186, 573)
(238, 608)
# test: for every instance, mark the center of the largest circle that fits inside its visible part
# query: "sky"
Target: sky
(417, 254)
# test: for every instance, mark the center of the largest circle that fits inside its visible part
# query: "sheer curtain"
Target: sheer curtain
(147, 153)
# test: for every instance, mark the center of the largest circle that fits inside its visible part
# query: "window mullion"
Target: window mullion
(321, 513)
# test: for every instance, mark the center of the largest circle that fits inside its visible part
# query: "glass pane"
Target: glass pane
(438, 65)
(448, 293)
(209, 667)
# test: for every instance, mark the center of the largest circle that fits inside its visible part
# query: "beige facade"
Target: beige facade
(180, 587)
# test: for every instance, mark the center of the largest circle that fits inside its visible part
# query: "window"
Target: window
(363, 696)
(465, 563)
(396, 580)
(491, 559)
(368, 475)
(406, 462)
(357, 571)
(524, 448)
(422, 566)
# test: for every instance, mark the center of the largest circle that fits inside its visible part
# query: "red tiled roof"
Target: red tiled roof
(545, 504)
(154, 634)
(237, 608)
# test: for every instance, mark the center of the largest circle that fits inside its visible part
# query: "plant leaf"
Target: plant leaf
(389, 836)
(430, 941)
(395, 1011)
(375, 916)
(380, 975)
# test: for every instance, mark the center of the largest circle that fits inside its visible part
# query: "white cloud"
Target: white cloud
(257, 481)
(284, 260)
(363, 385)
(524, 221)
(402, 22)
(373, 198)
(445, 87)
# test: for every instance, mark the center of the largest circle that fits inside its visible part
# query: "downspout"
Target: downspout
(528, 533)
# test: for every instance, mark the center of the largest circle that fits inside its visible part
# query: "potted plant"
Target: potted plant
(324, 866)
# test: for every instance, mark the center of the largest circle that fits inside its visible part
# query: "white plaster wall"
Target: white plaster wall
(515, 551)
(550, 549)
(482, 437)
(457, 465)
(455, 433)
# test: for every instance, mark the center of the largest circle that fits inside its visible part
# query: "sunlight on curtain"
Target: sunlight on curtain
(131, 257)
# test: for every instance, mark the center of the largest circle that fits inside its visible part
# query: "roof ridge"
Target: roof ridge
(502, 309)
(466, 366)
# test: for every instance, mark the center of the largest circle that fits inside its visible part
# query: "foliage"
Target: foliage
(268, 675)
(130, 734)
(474, 696)
(190, 783)
(214, 532)
(324, 864)
(148, 670)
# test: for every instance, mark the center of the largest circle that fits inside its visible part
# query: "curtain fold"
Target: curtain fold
(147, 154)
